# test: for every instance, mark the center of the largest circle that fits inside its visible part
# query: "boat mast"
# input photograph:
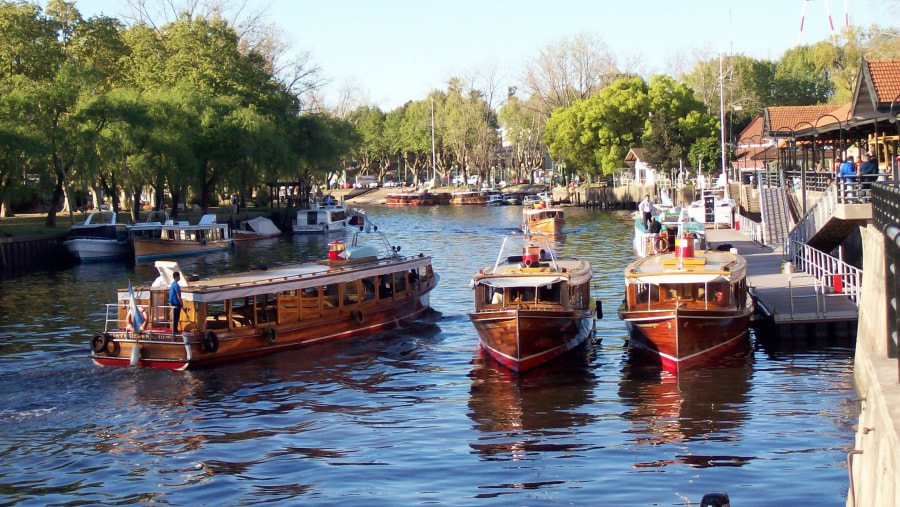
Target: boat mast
(722, 114)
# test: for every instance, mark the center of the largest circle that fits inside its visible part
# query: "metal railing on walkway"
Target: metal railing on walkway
(829, 271)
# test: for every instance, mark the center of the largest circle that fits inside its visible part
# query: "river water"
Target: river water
(413, 415)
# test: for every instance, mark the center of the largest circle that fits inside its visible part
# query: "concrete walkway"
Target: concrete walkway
(790, 298)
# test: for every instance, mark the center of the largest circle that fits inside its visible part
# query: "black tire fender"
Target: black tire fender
(357, 316)
(210, 341)
(99, 342)
(271, 335)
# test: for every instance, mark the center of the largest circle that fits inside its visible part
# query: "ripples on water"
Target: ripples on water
(413, 415)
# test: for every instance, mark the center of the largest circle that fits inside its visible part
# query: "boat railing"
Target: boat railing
(816, 291)
(820, 264)
(531, 236)
(112, 317)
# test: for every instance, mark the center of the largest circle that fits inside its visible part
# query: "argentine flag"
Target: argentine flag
(137, 320)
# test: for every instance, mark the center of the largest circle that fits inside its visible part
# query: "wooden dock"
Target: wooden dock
(787, 298)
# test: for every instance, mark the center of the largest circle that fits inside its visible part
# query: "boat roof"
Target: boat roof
(279, 279)
(704, 267)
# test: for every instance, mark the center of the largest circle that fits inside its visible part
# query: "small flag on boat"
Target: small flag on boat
(137, 320)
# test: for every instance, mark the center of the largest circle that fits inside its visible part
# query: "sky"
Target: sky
(395, 51)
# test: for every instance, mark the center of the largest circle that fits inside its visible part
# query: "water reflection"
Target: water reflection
(702, 404)
(516, 415)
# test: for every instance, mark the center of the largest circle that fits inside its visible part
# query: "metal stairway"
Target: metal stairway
(775, 217)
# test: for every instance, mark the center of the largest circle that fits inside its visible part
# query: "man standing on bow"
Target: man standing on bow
(646, 209)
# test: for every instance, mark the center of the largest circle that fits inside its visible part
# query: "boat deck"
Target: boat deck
(789, 298)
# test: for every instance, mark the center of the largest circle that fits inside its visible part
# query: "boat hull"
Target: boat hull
(410, 200)
(94, 250)
(524, 339)
(337, 226)
(550, 226)
(152, 248)
(687, 338)
(241, 236)
(161, 349)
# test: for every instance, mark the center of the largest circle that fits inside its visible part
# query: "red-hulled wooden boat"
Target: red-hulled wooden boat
(532, 306)
(685, 308)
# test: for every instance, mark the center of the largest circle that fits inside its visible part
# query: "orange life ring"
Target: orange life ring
(661, 245)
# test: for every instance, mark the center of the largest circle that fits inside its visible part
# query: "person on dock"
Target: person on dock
(175, 300)
(847, 176)
(646, 209)
(868, 172)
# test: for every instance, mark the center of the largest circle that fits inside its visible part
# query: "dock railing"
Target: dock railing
(753, 230)
(831, 272)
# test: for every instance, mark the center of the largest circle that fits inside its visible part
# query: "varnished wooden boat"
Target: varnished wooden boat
(410, 199)
(687, 309)
(466, 198)
(153, 240)
(532, 306)
(358, 290)
(549, 221)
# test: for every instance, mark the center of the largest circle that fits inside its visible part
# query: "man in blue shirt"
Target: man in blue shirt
(848, 178)
(175, 301)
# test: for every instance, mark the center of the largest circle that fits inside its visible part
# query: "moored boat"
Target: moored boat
(153, 239)
(531, 306)
(468, 197)
(548, 221)
(256, 228)
(100, 237)
(687, 309)
(328, 215)
(359, 289)
(422, 198)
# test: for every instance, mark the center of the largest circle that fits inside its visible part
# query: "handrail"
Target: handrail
(815, 291)
(819, 264)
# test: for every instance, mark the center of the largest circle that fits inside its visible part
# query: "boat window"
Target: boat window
(331, 296)
(351, 293)
(549, 293)
(311, 218)
(524, 295)
(494, 295)
(385, 286)
(309, 302)
(242, 311)
(400, 281)
(217, 316)
(368, 288)
(414, 279)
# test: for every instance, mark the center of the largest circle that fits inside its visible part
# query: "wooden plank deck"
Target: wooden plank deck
(771, 286)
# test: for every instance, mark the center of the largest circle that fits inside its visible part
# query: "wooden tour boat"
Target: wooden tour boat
(468, 197)
(155, 239)
(256, 228)
(329, 215)
(687, 309)
(532, 306)
(423, 198)
(548, 221)
(101, 237)
(359, 289)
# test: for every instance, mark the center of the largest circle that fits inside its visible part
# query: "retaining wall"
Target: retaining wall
(875, 470)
